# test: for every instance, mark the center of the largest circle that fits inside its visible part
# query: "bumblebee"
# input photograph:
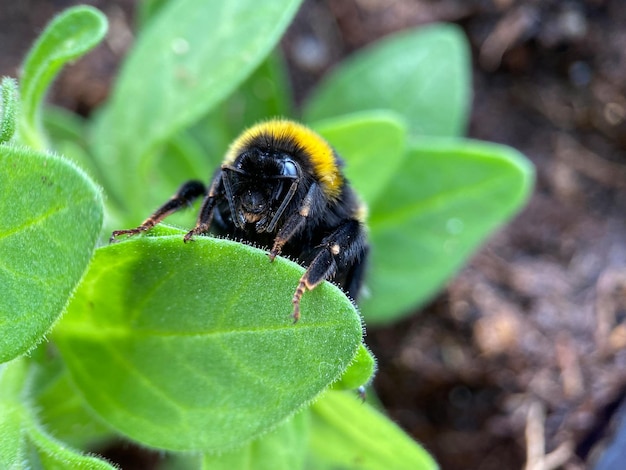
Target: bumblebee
(281, 187)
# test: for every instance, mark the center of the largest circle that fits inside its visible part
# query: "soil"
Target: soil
(521, 361)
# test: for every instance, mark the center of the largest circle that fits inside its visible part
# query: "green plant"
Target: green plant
(191, 348)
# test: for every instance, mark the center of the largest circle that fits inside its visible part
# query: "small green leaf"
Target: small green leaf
(349, 434)
(424, 75)
(23, 444)
(67, 135)
(50, 217)
(68, 36)
(282, 449)
(46, 452)
(372, 143)
(12, 377)
(8, 108)
(359, 373)
(61, 410)
(448, 196)
(192, 346)
(189, 57)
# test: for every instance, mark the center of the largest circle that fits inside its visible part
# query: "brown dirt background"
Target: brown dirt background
(521, 361)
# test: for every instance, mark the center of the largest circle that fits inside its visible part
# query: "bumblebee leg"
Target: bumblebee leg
(353, 278)
(295, 222)
(206, 211)
(185, 195)
(338, 252)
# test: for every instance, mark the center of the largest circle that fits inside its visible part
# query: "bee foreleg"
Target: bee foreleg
(185, 195)
(205, 217)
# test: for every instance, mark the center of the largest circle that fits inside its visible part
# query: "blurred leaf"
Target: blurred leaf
(264, 94)
(372, 144)
(61, 410)
(348, 434)
(282, 449)
(187, 59)
(67, 37)
(50, 217)
(424, 75)
(63, 124)
(12, 377)
(23, 444)
(67, 134)
(148, 9)
(448, 196)
(46, 452)
(192, 347)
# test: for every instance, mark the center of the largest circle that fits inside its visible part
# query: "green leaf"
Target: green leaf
(147, 10)
(23, 444)
(448, 196)
(359, 373)
(282, 449)
(8, 108)
(367, 141)
(348, 434)
(46, 452)
(62, 124)
(264, 94)
(424, 75)
(191, 55)
(50, 217)
(12, 377)
(61, 410)
(192, 346)
(68, 36)
(67, 134)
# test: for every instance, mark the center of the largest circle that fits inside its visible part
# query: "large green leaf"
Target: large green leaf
(447, 197)
(424, 75)
(191, 55)
(50, 217)
(192, 346)
(348, 434)
(68, 36)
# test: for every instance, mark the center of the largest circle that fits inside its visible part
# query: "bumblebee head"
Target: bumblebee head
(259, 185)
(271, 162)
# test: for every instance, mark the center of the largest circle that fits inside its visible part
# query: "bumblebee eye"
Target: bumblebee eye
(289, 168)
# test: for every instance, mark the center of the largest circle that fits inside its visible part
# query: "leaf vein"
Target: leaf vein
(33, 222)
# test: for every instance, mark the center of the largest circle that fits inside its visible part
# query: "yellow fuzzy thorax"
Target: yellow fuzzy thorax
(321, 154)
